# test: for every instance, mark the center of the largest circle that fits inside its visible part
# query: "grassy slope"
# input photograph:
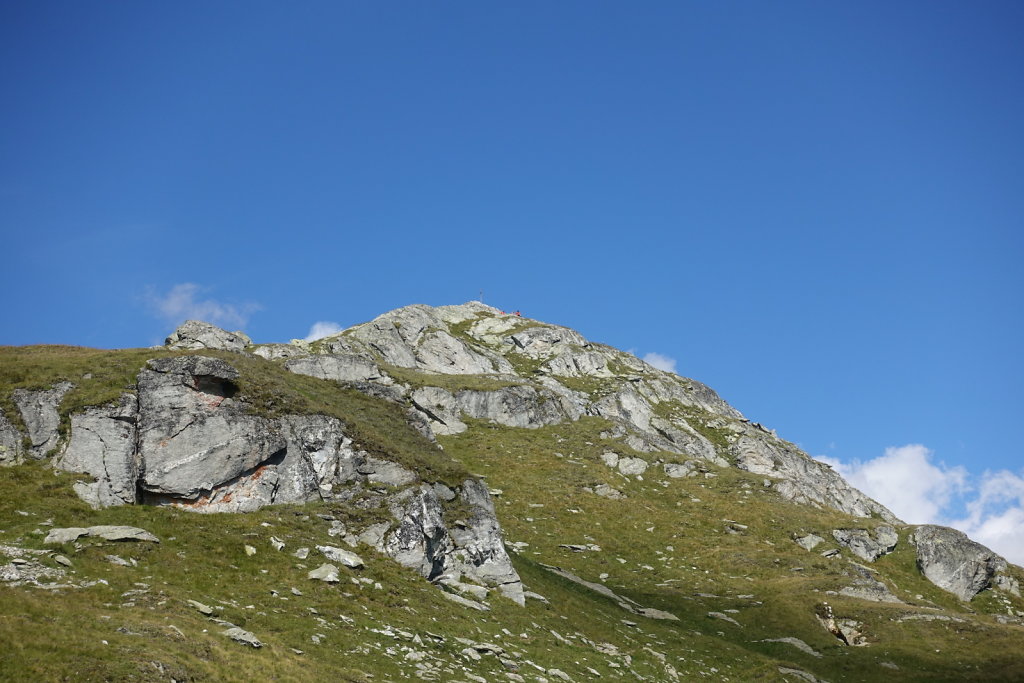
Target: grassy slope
(674, 540)
(670, 533)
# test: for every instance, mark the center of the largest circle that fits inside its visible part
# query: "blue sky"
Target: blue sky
(816, 208)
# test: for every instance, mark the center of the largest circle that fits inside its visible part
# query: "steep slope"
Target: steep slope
(654, 532)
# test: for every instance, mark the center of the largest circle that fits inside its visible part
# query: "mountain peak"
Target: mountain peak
(509, 466)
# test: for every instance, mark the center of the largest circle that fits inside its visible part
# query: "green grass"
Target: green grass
(676, 545)
(452, 383)
(57, 635)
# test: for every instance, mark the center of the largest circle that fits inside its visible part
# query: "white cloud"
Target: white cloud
(996, 517)
(660, 361)
(321, 329)
(182, 303)
(905, 481)
(918, 491)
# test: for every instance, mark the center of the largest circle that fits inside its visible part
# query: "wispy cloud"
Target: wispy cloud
(660, 361)
(321, 329)
(185, 302)
(907, 481)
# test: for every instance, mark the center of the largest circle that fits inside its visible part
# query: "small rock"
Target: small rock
(301, 553)
(242, 636)
(345, 557)
(109, 533)
(724, 617)
(277, 543)
(466, 602)
(61, 536)
(250, 551)
(122, 533)
(60, 559)
(632, 466)
(795, 642)
(606, 491)
(809, 542)
(325, 572)
(799, 673)
(203, 609)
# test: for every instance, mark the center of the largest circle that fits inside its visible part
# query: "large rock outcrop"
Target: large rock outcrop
(193, 335)
(955, 563)
(39, 413)
(189, 439)
(194, 436)
(418, 337)
(103, 443)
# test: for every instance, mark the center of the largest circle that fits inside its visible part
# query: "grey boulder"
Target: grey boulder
(954, 562)
(39, 413)
(240, 635)
(102, 444)
(193, 436)
(480, 551)
(867, 545)
(345, 557)
(328, 573)
(106, 532)
(194, 335)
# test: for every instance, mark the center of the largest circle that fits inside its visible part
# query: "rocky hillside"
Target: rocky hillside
(451, 493)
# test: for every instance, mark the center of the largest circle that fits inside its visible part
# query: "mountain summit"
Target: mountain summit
(515, 502)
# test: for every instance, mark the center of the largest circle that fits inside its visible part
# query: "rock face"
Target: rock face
(480, 552)
(866, 545)
(195, 335)
(10, 442)
(471, 548)
(39, 413)
(103, 444)
(193, 436)
(338, 367)
(954, 562)
(804, 480)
